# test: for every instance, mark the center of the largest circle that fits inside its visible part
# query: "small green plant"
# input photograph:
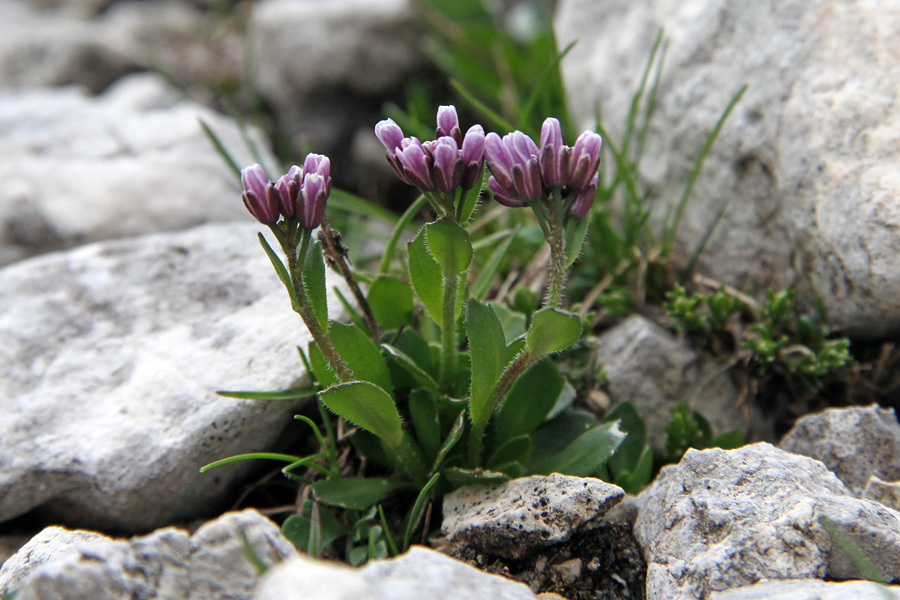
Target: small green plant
(443, 389)
(795, 343)
(698, 313)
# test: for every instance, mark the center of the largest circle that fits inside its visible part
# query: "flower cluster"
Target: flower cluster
(299, 194)
(522, 173)
(446, 163)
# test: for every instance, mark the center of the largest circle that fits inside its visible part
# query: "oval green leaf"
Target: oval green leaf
(426, 277)
(391, 302)
(487, 348)
(450, 246)
(361, 355)
(552, 330)
(355, 493)
(368, 406)
(529, 401)
(585, 454)
(314, 284)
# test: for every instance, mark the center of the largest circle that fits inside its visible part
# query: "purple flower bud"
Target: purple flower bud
(554, 155)
(585, 198)
(389, 134)
(447, 169)
(258, 196)
(513, 160)
(317, 163)
(287, 187)
(311, 200)
(416, 164)
(448, 124)
(472, 156)
(502, 196)
(585, 160)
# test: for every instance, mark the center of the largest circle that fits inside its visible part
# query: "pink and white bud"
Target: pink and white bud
(311, 201)
(447, 167)
(287, 187)
(259, 196)
(472, 156)
(581, 207)
(584, 161)
(448, 124)
(389, 134)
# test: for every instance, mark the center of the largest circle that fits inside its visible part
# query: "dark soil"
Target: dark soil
(603, 563)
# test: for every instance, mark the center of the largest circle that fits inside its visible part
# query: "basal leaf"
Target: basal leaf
(585, 454)
(355, 493)
(529, 401)
(368, 406)
(487, 349)
(423, 412)
(516, 450)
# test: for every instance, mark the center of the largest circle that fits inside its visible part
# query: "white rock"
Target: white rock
(80, 169)
(111, 357)
(885, 492)
(654, 370)
(523, 515)
(724, 519)
(47, 545)
(420, 573)
(809, 589)
(854, 442)
(168, 564)
(806, 165)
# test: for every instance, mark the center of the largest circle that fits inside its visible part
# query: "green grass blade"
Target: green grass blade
(251, 456)
(672, 228)
(288, 394)
(543, 81)
(417, 508)
(356, 205)
(220, 148)
(639, 95)
(387, 532)
(483, 283)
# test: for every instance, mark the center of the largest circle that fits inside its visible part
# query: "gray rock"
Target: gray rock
(420, 573)
(47, 545)
(724, 519)
(524, 515)
(885, 492)
(804, 168)
(111, 356)
(654, 370)
(129, 162)
(809, 589)
(853, 442)
(167, 564)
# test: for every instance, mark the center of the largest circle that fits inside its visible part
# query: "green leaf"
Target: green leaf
(220, 147)
(296, 528)
(280, 269)
(487, 348)
(288, 458)
(320, 366)
(529, 401)
(729, 440)
(368, 406)
(409, 365)
(513, 321)
(585, 454)
(552, 330)
(361, 355)
(516, 450)
(575, 236)
(413, 345)
(471, 201)
(423, 412)
(426, 278)
(391, 302)
(450, 246)
(633, 481)
(314, 284)
(554, 435)
(288, 394)
(355, 493)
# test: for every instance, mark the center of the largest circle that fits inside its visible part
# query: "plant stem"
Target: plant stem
(409, 459)
(322, 339)
(448, 332)
(338, 255)
(557, 267)
(512, 372)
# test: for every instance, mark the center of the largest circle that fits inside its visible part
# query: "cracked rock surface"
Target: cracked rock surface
(724, 519)
(523, 515)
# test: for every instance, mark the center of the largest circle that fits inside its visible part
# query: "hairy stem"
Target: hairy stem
(448, 332)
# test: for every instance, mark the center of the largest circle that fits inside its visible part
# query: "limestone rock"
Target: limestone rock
(420, 573)
(654, 370)
(854, 443)
(50, 543)
(805, 167)
(129, 162)
(724, 519)
(111, 357)
(526, 514)
(168, 564)
(885, 492)
(809, 589)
